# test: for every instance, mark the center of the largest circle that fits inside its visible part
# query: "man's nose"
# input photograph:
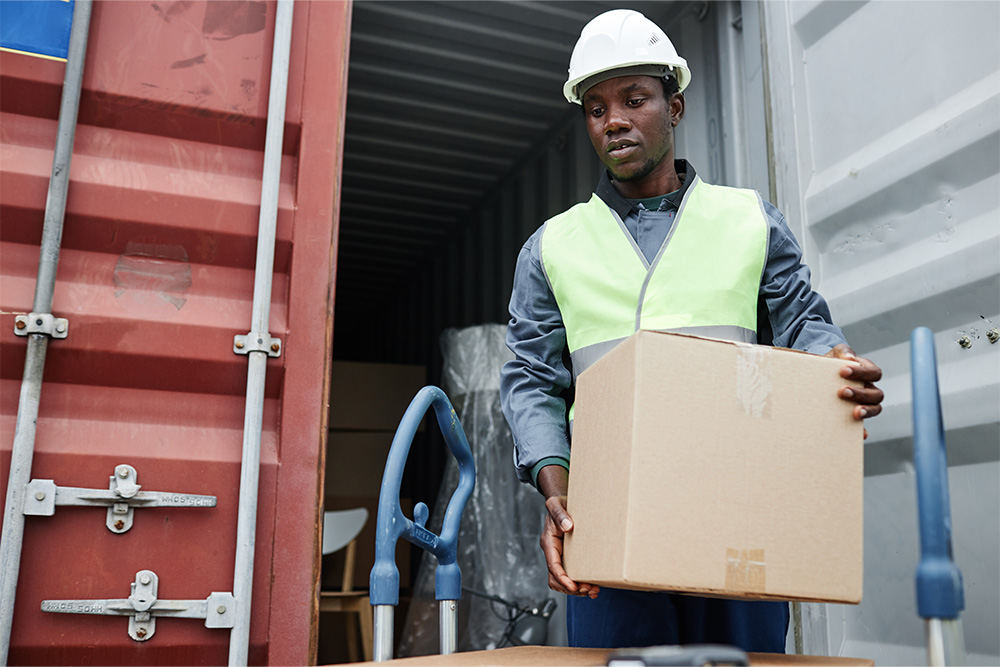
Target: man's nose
(617, 120)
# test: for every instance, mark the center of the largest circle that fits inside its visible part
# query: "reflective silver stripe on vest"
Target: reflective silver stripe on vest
(586, 357)
(631, 239)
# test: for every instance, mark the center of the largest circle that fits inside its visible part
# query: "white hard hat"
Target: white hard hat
(621, 42)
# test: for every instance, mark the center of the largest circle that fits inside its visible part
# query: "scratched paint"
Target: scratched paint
(226, 20)
(169, 10)
(867, 239)
(189, 62)
(249, 88)
(152, 280)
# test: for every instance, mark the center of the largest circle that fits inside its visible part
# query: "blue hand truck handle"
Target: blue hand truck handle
(939, 581)
(391, 524)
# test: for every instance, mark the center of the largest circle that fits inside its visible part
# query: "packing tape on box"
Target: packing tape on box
(754, 380)
(746, 570)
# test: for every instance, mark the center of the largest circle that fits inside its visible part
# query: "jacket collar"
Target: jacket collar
(610, 196)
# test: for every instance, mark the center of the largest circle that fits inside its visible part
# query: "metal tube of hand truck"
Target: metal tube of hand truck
(239, 639)
(23, 449)
(945, 642)
(448, 625)
(940, 596)
(382, 644)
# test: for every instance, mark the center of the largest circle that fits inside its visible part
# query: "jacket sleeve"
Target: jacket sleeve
(797, 317)
(531, 384)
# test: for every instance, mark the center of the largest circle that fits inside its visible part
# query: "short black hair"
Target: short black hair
(670, 86)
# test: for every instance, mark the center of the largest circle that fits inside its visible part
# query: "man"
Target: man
(654, 248)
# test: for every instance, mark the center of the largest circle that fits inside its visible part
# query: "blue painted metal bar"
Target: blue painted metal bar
(391, 524)
(940, 595)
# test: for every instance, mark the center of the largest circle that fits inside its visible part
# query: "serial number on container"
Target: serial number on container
(72, 607)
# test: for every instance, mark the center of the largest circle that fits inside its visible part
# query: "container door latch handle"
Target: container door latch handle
(142, 607)
(121, 498)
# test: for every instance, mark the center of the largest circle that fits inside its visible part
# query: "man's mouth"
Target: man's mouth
(621, 148)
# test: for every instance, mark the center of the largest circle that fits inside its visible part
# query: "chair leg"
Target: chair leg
(367, 631)
(352, 637)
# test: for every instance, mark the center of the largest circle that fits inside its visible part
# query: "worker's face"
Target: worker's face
(631, 125)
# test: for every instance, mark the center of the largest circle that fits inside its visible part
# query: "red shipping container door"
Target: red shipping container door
(156, 277)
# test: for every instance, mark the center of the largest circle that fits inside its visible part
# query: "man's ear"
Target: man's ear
(676, 108)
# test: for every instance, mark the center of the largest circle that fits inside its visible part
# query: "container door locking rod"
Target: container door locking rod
(142, 607)
(257, 344)
(41, 324)
(392, 525)
(42, 495)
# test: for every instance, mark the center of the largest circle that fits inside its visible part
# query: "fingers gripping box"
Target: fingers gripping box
(716, 468)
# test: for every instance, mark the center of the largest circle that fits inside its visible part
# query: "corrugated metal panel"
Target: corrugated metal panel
(156, 277)
(886, 125)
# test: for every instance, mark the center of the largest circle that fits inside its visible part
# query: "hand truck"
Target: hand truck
(940, 596)
(391, 525)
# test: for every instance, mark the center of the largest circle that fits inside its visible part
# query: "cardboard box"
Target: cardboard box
(372, 397)
(355, 461)
(716, 468)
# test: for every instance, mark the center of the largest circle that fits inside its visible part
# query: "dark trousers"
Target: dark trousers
(621, 619)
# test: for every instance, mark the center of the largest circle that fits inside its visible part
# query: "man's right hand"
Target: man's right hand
(553, 482)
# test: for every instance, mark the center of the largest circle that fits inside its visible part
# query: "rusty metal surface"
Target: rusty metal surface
(156, 277)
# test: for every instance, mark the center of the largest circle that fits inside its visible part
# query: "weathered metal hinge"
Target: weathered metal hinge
(142, 607)
(123, 496)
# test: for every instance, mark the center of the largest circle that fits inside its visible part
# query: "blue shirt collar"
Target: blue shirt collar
(623, 207)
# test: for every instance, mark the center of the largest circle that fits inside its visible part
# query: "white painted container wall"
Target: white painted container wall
(885, 121)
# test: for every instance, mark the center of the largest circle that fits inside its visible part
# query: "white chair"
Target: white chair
(341, 529)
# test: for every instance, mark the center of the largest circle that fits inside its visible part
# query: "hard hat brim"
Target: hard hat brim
(575, 88)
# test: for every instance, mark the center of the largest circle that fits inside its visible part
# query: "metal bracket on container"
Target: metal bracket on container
(257, 342)
(142, 607)
(41, 323)
(42, 495)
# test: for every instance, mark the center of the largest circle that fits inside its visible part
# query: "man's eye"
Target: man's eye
(635, 102)
(597, 112)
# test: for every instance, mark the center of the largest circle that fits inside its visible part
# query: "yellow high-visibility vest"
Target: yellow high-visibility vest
(703, 281)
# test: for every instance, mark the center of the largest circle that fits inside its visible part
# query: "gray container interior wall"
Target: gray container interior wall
(468, 280)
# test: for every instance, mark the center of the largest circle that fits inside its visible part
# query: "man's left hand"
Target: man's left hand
(869, 397)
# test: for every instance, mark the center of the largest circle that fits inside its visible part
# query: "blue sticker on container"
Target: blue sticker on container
(36, 27)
